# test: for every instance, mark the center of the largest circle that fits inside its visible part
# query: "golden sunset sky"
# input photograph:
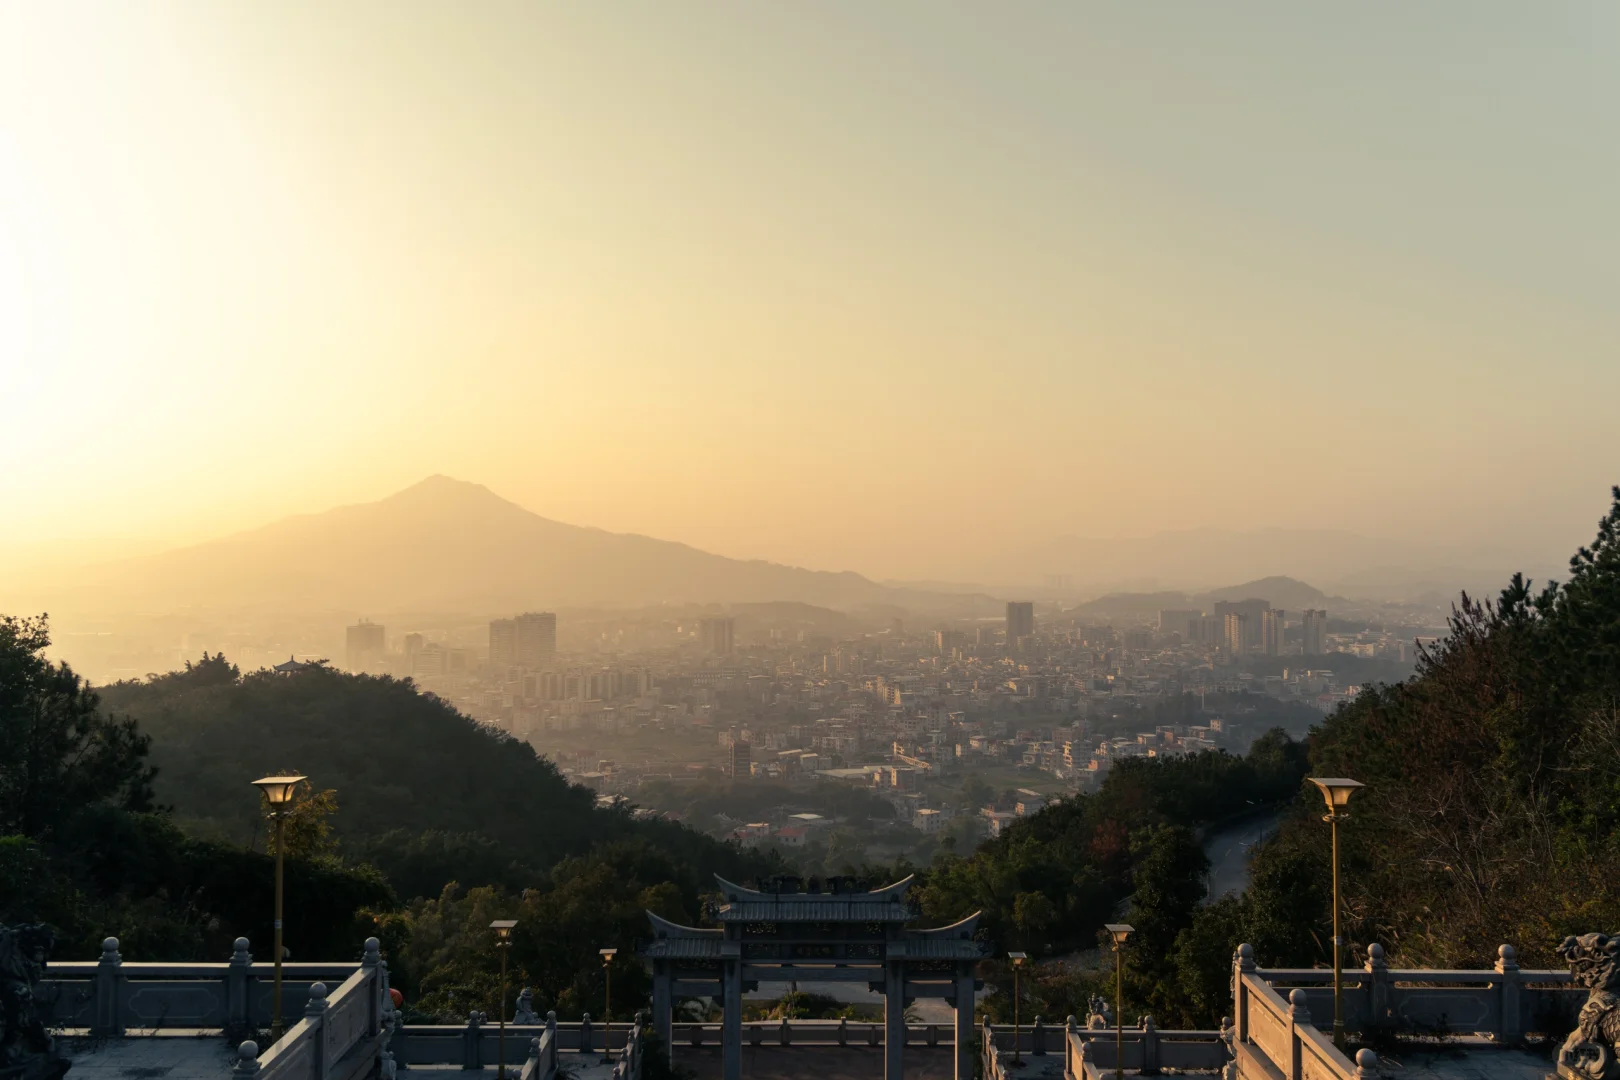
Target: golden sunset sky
(869, 285)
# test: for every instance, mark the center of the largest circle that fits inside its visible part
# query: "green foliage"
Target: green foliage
(444, 949)
(1051, 880)
(428, 795)
(1492, 807)
(61, 753)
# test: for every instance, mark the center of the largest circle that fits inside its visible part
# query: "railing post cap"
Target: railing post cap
(248, 1050)
(1506, 957)
(317, 1000)
(1366, 1063)
(1245, 957)
(534, 1048)
(240, 946)
(109, 949)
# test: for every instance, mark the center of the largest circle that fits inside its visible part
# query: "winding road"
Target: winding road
(1228, 851)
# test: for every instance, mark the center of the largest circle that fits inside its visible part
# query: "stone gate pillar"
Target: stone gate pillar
(662, 1007)
(731, 1026)
(894, 1015)
(964, 1024)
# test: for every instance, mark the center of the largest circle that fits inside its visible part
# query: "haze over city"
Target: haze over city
(806, 541)
(916, 291)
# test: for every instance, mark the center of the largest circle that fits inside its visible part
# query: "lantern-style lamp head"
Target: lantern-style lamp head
(278, 790)
(503, 930)
(607, 955)
(1018, 958)
(1336, 791)
(1119, 932)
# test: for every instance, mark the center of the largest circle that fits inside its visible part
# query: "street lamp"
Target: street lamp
(278, 794)
(607, 1010)
(1119, 932)
(1336, 790)
(1017, 959)
(503, 945)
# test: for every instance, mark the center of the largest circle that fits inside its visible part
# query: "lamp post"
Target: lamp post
(278, 793)
(607, 1006)
(1017, 959)
(1336, 790)
(503, 944)
(1119, 932)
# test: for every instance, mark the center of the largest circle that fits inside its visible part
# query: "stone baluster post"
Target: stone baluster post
(586, 1035)
(533, 1065)
(109, 1004)
(315, 1017)
(247, 1061)
(1150, 1045)
(843, 1031)
(1242, 963)
(1378, 1004)
(472, 1041)
(1068, 1045)
(239, 990)
(1509, 1029)
(1037, 1039)
(372, 962)
(1299, 1014)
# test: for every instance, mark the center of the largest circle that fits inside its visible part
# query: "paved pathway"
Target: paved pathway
(818, 1062)
(1472, 1064)
(152, 1057)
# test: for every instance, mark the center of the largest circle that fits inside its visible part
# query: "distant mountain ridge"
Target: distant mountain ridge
(1280, 592)
(446, 544)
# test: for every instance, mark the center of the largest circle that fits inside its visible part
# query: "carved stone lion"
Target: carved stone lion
(525, 1008)
(1099, 1016)
(1589, 1052)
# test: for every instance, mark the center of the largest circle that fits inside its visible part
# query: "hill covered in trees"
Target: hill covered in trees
(130, 812)
(424, 793)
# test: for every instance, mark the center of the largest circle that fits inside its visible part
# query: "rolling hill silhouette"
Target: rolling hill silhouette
(445, 544)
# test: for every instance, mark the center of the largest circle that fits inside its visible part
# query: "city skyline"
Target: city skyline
(738, 260)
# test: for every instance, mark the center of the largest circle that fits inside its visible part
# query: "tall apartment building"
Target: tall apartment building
(527, 641)
(742, 763)
(1020, 620)
(502, 642)
(413, 647)
(1271, 632)
(1315, 631)
(536, 643)
(365, 646)
(1238, 633)
(719, 635)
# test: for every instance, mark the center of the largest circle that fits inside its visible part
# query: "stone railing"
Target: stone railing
(477, 1045)
(1281, 1013)
(1090, 1051)
(343, 1035)
(110, 997)
(810, 1033)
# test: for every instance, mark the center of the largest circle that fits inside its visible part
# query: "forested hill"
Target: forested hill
(1491, 813)
(423, 792)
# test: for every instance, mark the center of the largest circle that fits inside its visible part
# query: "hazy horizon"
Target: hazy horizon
(909, 290)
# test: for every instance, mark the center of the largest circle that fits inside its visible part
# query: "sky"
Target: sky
(885, 287)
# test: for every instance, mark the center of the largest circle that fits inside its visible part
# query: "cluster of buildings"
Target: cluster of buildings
(1049, 704)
